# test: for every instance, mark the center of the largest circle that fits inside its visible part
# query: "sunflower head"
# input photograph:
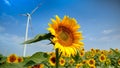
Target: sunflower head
(93, 66)
(97, 51)
(52, 60)
(108, 61)
(110, 51)
(13, 58)
(82, 53)
(119, 62)
(91, 62)
(102, 58)
(66, 35)
(38, 66)
(78, 65)
(92, 54)
(92, 50)
(71, 61)
(62, 61)
(51, 53)
(84, 61)
(116, 49)
(20, 59)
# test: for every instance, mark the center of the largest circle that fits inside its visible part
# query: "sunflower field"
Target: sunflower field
(94, 58)
(68, 52)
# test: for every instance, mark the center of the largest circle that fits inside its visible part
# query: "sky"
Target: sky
(99, 21)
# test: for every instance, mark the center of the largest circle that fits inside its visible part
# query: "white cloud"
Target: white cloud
(14, 39)
(110, 38)
(10, 43)
(7, 2)
(107, 31)
(106, 35)
(110, 35)
(89, 37)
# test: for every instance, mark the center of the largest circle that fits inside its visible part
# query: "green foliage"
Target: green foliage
(30, 63)
(11, 65)
(2, 59)
(37, 58)
(38, 37)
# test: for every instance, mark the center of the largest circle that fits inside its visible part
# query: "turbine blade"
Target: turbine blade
(35, 9)
(31, 28)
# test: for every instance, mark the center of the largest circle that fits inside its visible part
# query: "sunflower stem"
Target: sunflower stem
(57, 57)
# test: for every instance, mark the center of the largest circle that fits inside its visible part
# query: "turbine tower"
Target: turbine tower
(27, 26)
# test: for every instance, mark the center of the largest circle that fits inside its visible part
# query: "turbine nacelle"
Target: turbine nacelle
(27, 14)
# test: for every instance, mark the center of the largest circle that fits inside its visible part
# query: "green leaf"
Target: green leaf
(37, 58)
(117, 53)
(38, 37)
(30, 63)
(76, 57)
(2, 59)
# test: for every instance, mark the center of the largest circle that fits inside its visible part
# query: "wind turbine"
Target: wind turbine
(27, 26)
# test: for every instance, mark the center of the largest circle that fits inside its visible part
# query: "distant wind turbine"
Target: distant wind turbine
(27, 26)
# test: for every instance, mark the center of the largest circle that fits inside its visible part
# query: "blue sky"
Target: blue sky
(99, 20)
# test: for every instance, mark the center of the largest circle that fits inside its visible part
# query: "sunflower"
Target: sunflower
(102, 52)
(93, 66)
(65, 35)
(108, 61)
(82, 53)
(71, 61)
(83, 49)
(79, 65)
(52, 60)
(110, 51)
(52, 53)
(38, 66)
(20, 59)
(92, 54)
(97, 51)
(62, 61)
(84, 61)
(88, 56)
(13, 58)
(119, 62)
(93, 50)
(116, 50)
(102, 58)
(91, 62)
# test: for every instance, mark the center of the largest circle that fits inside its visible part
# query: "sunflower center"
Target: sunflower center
(119, 61)
(65, 36)
(84, 62)
(102, 58)
(81, 54)
(12, 58)
(53, 59)
(91, 62)
(91, 67)
(19, 59)
(62, 61)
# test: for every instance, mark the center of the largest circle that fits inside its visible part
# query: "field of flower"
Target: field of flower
(69, 50)
(94, 58)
